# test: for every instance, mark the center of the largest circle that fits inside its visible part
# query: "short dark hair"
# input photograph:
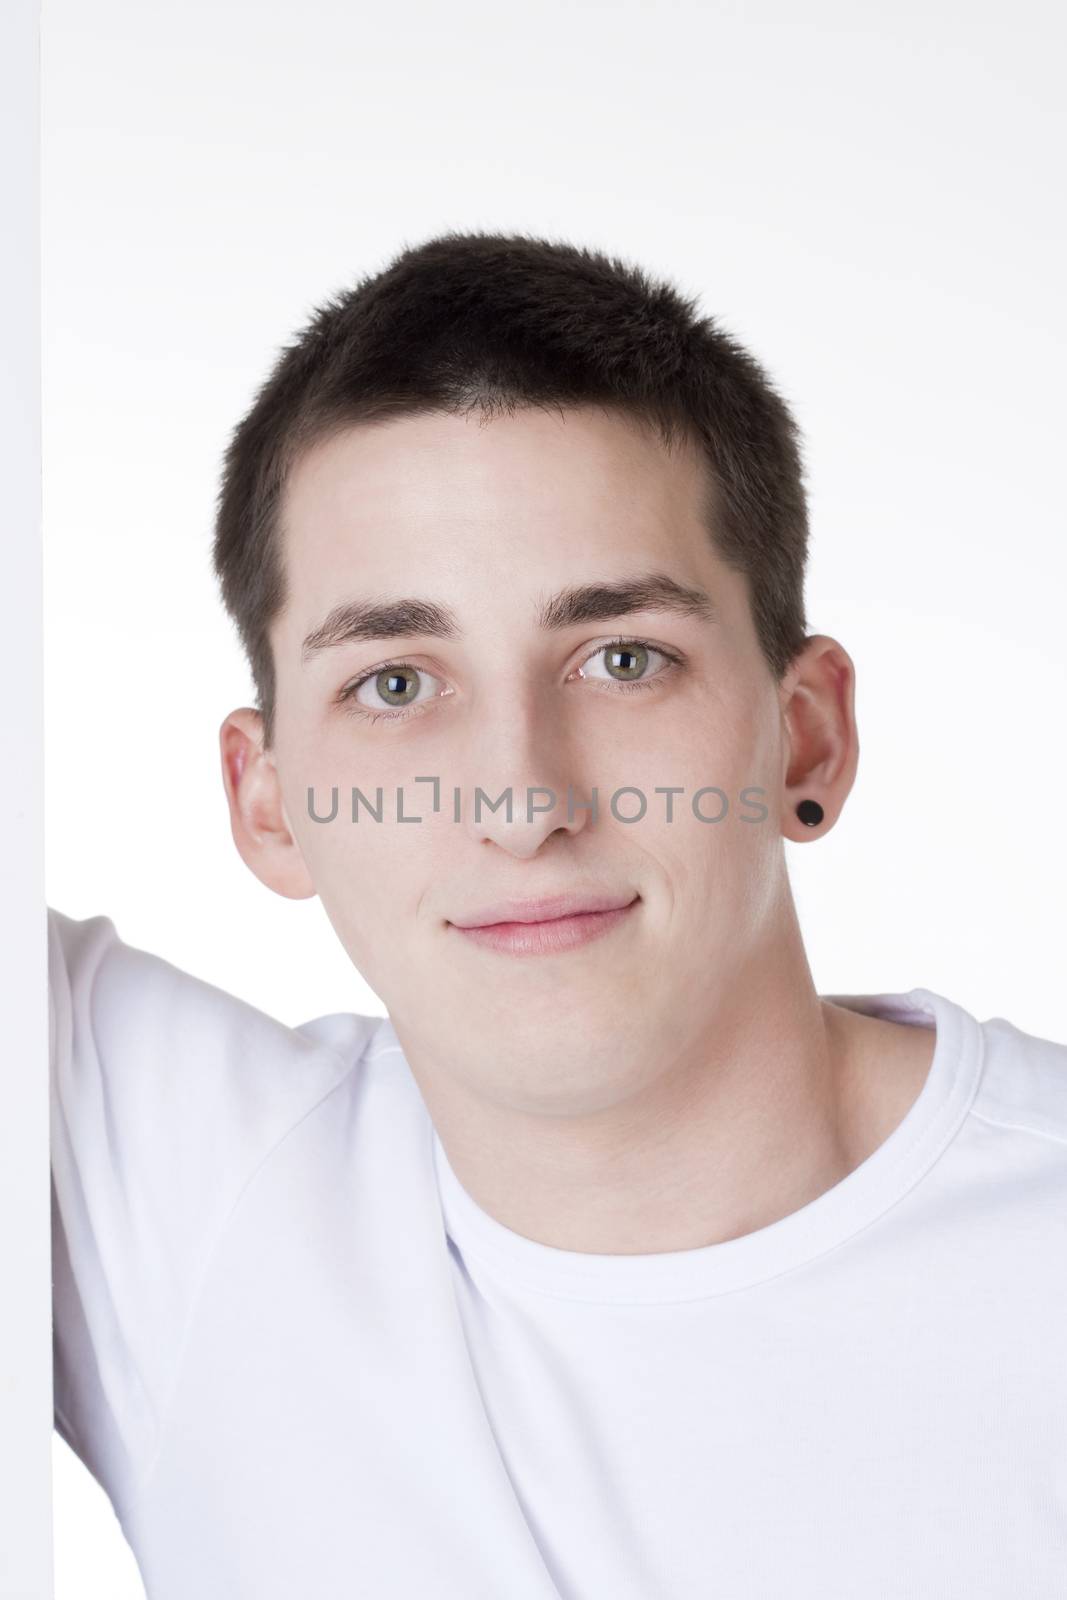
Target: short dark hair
(497, 322)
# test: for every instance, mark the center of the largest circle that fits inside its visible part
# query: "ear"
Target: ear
(821, 740)
(258, 819)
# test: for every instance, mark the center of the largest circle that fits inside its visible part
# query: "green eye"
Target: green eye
(389, 693)
(400, 691)
(630, 664)
(626, 661)
(397, 686)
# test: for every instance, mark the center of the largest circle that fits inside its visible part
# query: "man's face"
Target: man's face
(490, 522)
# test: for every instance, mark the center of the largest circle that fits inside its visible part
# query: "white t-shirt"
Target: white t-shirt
(305, 1365)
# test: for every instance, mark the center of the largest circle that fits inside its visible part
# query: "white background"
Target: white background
(869, 196)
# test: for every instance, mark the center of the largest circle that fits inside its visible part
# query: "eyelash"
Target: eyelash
(350, 704)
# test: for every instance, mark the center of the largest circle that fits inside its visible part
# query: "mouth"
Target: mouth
(545, 908)
(548, 926)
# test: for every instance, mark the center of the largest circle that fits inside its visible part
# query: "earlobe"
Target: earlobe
(819, 731)
(259, 823)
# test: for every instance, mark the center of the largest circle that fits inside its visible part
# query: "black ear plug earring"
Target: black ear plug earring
(810, 811)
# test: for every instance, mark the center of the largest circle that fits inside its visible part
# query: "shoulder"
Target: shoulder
(1024, 1081)
(173, 1047)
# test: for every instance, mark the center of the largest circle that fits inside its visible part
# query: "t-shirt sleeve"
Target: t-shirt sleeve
(166, 1095)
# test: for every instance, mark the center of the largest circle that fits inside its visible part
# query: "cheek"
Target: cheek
(709, 864)
(368, 860)
(733, 744)
(746, 748)
(725, 863)
(373, 877)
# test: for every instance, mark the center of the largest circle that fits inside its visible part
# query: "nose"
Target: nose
(523, 780)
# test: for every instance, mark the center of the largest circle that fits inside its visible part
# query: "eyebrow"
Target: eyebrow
(588, 602)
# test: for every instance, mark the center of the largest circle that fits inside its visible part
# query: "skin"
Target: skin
(677, 1082)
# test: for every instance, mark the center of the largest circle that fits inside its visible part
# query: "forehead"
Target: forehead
(478, 510)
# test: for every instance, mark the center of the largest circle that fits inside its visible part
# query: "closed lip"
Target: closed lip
(544, 909)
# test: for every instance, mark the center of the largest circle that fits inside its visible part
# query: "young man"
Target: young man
(615, 1261)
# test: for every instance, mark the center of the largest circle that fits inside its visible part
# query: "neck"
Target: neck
(777, 1098)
